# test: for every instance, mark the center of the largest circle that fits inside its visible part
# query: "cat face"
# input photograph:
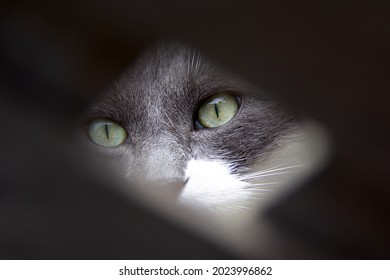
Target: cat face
(174, 117)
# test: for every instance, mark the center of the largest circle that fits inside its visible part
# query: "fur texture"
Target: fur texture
(156, 101)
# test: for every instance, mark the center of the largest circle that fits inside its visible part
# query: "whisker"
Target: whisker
(278, 169)
(242, 207)
(188, 62)
(193, 59)
(198, 62)
(259, 176)
(265, 184)
(246, 190)
(282, 164)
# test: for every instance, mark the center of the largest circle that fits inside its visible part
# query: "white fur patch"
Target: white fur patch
(212, 186)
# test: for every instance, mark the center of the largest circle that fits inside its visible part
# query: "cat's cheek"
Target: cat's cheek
(212, 186)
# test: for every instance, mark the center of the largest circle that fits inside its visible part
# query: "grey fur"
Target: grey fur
(156, 100)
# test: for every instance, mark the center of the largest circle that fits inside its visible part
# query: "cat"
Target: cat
(181, 123)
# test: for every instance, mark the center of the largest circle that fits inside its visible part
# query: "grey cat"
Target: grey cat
(176, 119)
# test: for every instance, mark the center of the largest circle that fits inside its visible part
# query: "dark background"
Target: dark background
(330, 59)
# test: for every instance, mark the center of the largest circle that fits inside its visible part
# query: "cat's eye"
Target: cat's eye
(106, 133)
(218, 110)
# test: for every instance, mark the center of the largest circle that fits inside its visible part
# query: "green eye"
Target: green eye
(218, 110)
(106, 133)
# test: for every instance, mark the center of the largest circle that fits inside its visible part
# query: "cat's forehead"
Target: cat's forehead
(164, 70)
(171, 70)
(164, 64)
(170, 78)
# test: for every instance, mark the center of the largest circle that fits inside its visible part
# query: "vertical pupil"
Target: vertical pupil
(216, 110)
(106, 129)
